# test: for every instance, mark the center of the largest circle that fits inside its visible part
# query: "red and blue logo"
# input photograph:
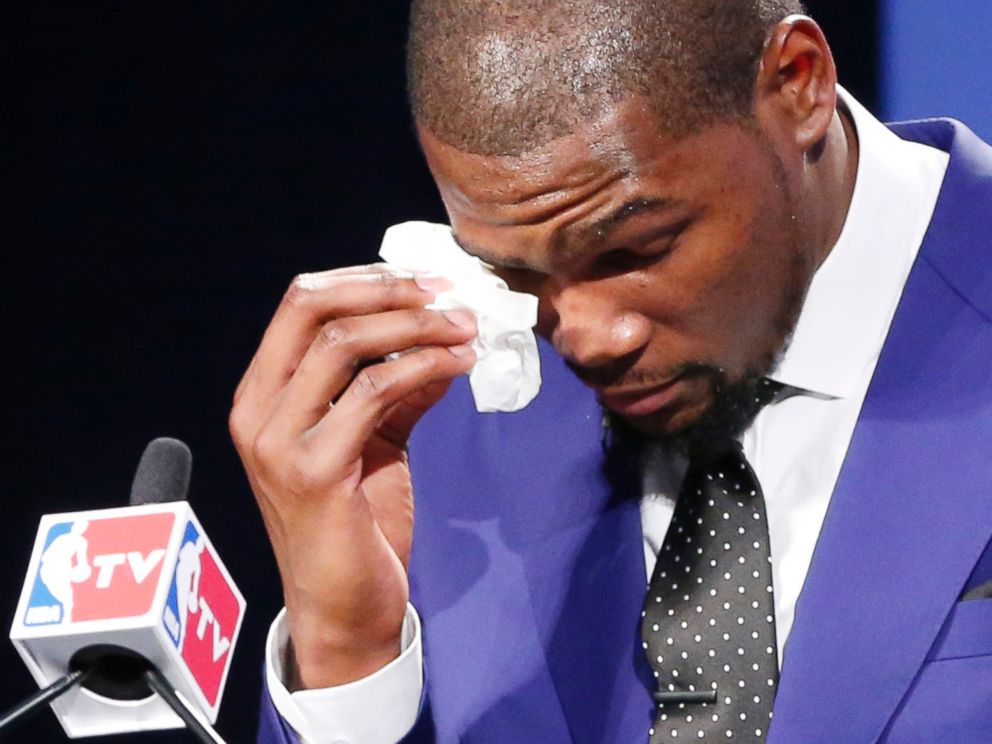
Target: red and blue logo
(201, 613)
(99, 569)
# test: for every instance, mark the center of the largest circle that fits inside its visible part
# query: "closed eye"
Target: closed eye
(626, 259)
(643, 249)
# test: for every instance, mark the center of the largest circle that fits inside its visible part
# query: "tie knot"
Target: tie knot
(716, 454)
(768, 389)
(721, 448)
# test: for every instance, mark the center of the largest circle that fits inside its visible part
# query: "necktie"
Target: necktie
(708, 626)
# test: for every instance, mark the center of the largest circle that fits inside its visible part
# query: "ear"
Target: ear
(796, 89)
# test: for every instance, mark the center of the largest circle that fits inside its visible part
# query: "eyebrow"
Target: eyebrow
(483, 255)
(601, 228)
(598, 230)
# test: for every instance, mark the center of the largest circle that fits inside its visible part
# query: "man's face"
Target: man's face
(669, 272)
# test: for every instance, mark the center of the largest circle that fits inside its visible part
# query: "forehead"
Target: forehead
(621, 163)
(611, 145)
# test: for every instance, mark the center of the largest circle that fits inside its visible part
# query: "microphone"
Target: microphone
(163, 473)
(128, 619)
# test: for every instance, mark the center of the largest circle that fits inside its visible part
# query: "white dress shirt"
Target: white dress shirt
(796, 445)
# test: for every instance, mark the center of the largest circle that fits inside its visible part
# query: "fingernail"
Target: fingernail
(462, 351)
(460, 318)
(432, 282)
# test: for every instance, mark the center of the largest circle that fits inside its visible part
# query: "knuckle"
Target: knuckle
(371, 384)
(306, 478)
(265, 449)
(237, 425)
(422, 318)
(241, 389)
(390, 284)
(427, 363)
(334, 335)
(300, 290)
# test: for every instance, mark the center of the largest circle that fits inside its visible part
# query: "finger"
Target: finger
(375, 268)
(347, 426)
(312, 300)
(342, 346)
(398, 423)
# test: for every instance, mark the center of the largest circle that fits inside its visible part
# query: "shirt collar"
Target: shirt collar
(854, 293)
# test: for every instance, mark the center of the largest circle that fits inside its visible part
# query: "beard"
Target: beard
(735, 404)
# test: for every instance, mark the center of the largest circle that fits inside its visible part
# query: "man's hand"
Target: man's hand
(321, 422)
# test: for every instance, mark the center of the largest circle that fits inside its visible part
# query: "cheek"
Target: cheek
(743, 298)
(749, 300)
(720, 297)
(715, 270)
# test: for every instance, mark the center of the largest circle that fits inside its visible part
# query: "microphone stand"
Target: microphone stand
(27, 708)
(198, 725)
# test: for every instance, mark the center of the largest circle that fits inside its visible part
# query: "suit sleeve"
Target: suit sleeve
(384, 708)
(272, 728)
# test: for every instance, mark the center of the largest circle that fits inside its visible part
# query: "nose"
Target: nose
(591, 329)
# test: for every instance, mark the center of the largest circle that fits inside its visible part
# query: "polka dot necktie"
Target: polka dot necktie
(708, 626)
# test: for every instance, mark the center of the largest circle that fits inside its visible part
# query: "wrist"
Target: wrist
(317, 659)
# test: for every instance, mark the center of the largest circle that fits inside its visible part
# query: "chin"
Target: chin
(710, 410)
(672, 423)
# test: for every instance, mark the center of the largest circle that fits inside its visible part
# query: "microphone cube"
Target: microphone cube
(145, 578)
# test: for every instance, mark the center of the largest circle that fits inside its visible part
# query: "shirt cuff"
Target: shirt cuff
(378, 709)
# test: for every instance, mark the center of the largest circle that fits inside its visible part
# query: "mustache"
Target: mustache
(623, 374)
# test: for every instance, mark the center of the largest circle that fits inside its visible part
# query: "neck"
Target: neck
(836, 171)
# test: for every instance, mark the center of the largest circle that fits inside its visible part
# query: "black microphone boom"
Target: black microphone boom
(27, 708)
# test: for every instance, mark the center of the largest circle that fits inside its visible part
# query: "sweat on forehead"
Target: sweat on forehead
(502, 77)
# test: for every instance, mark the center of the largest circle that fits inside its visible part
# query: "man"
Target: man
(725, 251)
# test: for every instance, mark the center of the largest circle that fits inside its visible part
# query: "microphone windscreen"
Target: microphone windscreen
(163, 473)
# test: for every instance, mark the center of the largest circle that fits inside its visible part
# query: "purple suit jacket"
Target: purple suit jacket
(528, 567)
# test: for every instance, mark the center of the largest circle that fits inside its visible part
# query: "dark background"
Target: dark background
(169, 169)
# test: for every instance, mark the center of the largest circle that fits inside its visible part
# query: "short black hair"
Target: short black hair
(501, 77)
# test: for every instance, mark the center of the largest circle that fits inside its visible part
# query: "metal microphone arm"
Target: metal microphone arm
(198, 725)
(24, 710)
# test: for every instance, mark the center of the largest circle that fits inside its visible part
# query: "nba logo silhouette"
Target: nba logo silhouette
(99, 569)
(201, 612)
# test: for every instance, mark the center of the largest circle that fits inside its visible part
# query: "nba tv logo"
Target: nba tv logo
(201, 612)
(99, 569)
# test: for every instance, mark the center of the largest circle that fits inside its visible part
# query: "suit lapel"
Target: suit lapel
(518, 519)
(587, 587)
(584, 567)
(911, 512)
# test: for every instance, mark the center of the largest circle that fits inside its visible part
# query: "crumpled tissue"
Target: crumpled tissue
(507, 373)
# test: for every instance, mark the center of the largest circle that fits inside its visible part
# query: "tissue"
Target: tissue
(507, 373)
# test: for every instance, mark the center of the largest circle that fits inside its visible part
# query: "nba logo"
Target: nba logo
(201, 612)
(99, 569)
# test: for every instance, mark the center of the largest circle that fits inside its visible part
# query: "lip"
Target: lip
(641, 402)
